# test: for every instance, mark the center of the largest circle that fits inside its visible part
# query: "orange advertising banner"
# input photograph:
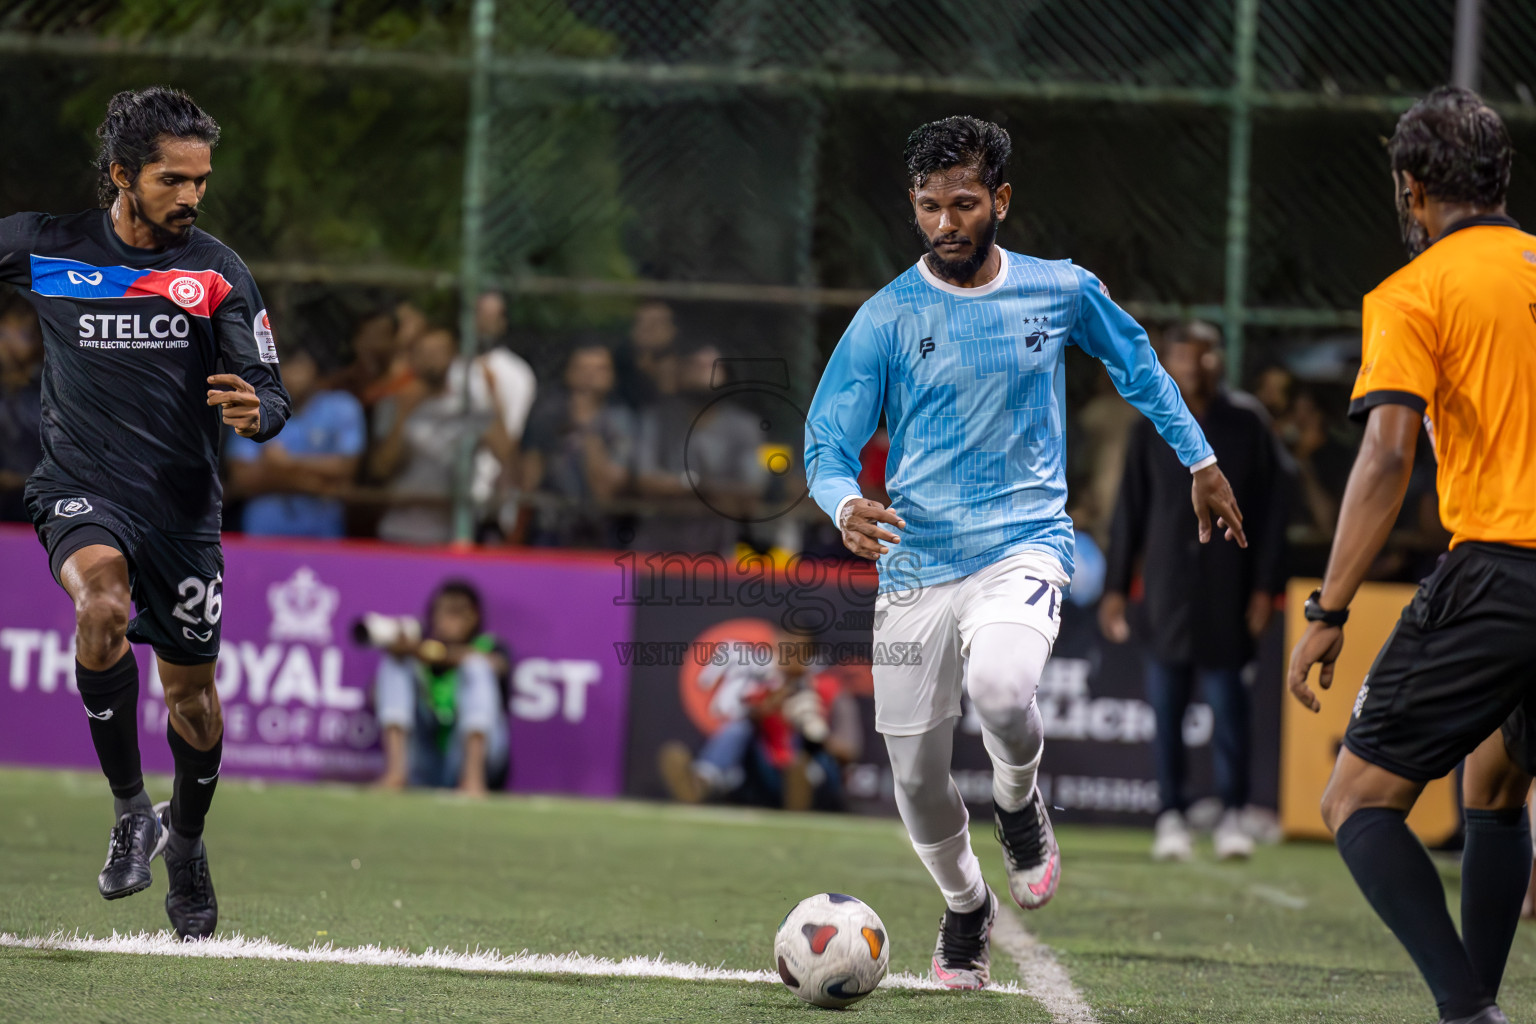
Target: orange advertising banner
(1309, 743)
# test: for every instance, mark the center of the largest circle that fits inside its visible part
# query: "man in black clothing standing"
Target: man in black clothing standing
(1205, 605)
(155, 337)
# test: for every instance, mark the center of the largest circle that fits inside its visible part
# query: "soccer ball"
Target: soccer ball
(831, 950)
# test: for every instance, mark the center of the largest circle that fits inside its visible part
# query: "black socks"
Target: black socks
(197, 775)
(111, 700)
(1495, 869)
(1396, 875)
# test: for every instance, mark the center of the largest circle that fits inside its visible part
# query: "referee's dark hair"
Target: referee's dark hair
(136, 122)
(962, 141)
(1455, 146)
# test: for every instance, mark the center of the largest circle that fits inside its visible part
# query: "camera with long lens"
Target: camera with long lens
(385, 631)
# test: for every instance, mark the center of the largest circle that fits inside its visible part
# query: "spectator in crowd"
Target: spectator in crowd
(411, 322)
(797, 731)
(1322, 462)
(647, 366)
(1205, 603)
(374, 371)
(442, 699)
(502, 387)
(420, 433)
(578, 448)
(292, 483)
(1272, 387)
(381, 347)
(21, 409)
(697, 457)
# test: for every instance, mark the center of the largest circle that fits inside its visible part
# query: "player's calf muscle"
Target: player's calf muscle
(193, 703)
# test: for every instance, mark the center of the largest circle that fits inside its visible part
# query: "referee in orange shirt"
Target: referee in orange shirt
(1450, 340)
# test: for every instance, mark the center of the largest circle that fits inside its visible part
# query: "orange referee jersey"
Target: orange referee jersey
(1453, 336)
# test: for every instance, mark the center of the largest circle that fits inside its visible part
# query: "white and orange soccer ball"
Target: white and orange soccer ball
(831, 950)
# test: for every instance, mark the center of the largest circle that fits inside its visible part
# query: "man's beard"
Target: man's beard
(172, 230)
(1415, 235)
(959, 271)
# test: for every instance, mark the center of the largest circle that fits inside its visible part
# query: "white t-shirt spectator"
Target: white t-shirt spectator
(511, 378)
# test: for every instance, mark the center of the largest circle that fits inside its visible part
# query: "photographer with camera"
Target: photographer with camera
(441, 697)
(796, 731)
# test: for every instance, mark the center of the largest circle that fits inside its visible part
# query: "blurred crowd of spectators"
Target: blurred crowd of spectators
(632, 444)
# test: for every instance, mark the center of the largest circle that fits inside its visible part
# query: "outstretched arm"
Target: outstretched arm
(1112, 336)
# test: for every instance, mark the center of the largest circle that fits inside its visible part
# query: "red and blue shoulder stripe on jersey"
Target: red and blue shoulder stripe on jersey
(199, 292)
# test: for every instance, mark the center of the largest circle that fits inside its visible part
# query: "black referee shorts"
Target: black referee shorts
(1459, 665)
(176, 583)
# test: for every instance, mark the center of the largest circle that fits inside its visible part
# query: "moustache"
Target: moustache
(954, 238)
(185, 213)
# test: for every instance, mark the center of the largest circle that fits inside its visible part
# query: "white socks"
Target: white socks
(954, 866)
(1012, 784)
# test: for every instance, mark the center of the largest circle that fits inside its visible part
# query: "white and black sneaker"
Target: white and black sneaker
(1030, 852)
(962, 959)
(137, 839)
(189, 903)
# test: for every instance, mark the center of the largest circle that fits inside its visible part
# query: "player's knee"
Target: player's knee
(1338, 805)
(101, 620)
(1001, 693)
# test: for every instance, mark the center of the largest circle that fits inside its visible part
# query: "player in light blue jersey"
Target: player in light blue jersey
(964, 355)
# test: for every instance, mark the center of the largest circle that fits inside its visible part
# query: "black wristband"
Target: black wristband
(1315, 612)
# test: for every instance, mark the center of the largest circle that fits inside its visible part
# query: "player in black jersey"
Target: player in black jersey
(155, 339)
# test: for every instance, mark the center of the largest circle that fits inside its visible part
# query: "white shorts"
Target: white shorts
(923, 636)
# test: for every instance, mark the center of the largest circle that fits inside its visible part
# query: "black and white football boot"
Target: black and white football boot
(137, 839)
(189, 903)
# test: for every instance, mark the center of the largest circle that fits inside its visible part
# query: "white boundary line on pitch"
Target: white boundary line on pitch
(238, 947)
(1045, 980)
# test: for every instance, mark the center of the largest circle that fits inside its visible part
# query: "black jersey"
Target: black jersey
(130, 339)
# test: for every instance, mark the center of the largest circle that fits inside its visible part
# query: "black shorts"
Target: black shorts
(1460, 665)
(176, 583)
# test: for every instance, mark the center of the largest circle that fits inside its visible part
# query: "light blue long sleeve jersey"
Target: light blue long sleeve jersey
(972, 384)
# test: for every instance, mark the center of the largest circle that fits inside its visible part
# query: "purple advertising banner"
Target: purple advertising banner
(296, 690)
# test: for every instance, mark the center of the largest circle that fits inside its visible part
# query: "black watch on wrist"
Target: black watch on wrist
(1315, 612)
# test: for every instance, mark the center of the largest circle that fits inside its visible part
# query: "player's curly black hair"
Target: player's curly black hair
(136, 122)
(1455, 145)
(962, 141)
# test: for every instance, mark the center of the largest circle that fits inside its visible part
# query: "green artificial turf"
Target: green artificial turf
(1284, 938)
